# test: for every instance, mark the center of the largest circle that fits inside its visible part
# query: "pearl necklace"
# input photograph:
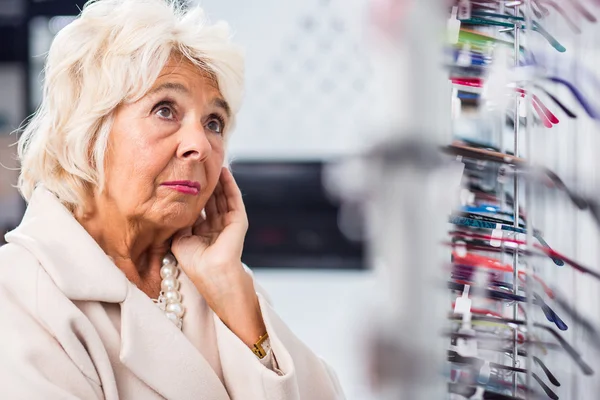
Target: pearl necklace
(169, 299)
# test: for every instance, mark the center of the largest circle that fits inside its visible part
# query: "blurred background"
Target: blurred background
(308, 83)
(356, 218)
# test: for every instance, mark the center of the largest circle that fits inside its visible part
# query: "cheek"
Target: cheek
(134, 160)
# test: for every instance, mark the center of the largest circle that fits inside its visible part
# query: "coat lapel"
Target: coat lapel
(152, 347)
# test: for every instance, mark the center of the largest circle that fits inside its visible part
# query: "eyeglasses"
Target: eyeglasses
(469, 391)
(574, 354)
(551, 316)
(520, 351)
(534, 173)
(546, 116)
(545, 250)
(477, 364)
(463, 258)
(560, 300)
(496, 224)
(487, 208)
(477, 18)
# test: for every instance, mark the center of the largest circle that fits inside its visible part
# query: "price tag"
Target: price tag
(453, 26)
(462, 305)
(496, 235)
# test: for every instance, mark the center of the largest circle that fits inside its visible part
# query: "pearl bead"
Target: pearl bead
(172, 317)
(169, 283)
(175, 308)
(172, 296)
(169, 259)
(168, 270)
(170, 299)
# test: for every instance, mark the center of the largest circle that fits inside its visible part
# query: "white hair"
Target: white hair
(112, 54)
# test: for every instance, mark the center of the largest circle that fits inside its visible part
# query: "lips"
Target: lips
(186, 187)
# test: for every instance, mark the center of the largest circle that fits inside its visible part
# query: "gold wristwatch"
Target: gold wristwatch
(262, 346)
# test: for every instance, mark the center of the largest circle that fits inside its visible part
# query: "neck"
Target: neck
(136, 247)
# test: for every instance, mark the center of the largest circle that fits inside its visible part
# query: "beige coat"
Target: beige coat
(73, 327)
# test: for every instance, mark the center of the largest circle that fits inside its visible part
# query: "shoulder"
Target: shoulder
(19, 271)
(20, 275)
(32, 349)
(25, 284)
(15, 259)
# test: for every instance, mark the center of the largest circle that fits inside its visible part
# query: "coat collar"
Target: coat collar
(72, 258)
(151, 346)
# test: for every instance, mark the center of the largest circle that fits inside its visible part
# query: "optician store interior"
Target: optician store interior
(421, 181)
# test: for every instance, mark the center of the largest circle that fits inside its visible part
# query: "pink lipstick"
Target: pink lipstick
(186, 187)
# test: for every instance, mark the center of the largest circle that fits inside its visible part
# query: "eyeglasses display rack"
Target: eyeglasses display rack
(481, 200)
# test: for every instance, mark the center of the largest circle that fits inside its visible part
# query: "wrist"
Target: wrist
(232, 297)
(244, 319)
(222, 282)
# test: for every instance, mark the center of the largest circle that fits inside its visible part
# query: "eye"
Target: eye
(165, 110)
(216, 124)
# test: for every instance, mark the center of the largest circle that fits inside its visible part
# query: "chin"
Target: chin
(180, 216)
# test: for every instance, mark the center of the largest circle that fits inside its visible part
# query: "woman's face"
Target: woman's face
(165, 151)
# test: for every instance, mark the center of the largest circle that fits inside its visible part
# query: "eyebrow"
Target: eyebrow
(178, 87)
(219, 102)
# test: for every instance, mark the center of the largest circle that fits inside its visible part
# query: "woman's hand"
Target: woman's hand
(210, 254)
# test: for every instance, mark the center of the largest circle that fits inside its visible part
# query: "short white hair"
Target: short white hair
(112, 54)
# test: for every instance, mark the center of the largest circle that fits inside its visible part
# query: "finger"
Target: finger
(233, 238)
(232, 192)
(203, 229)
(220, 198)
(210, 213)
(201, 218)
(200, 226)
(211, 207)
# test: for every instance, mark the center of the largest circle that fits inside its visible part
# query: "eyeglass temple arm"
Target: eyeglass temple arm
(589, 109)
(548, 373)
(584, 11)
(562, 12)
(565, 109)
(549, 392)
(586, 369)
(536, 26)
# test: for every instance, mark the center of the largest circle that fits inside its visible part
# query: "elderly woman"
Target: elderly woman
(124, 280)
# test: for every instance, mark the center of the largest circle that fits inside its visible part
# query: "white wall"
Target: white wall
(308, 76)
(328, 311)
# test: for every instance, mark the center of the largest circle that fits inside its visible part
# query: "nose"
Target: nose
(194, 144)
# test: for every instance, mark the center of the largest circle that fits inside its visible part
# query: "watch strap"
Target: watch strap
(262, 346)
